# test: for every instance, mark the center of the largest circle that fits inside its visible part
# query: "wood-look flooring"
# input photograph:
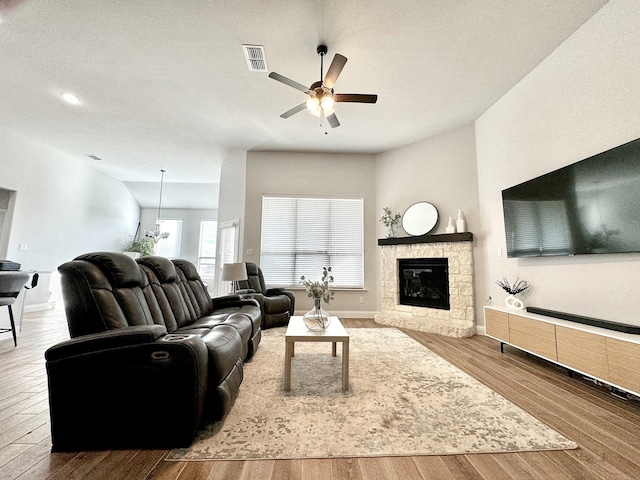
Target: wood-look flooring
(606, 428)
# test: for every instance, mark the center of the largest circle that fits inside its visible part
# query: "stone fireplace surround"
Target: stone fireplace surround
(459, 321)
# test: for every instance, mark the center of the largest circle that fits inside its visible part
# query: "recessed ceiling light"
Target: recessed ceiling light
(70, 98)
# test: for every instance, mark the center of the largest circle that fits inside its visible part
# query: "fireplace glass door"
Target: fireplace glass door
(424, 282)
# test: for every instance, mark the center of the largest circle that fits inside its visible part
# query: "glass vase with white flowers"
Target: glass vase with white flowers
(317, 318)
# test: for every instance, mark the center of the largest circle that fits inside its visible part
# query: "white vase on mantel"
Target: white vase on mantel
(450, 227)
(461, 222)
(514, 302)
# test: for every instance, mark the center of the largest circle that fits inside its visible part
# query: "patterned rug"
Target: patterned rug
(403, 400)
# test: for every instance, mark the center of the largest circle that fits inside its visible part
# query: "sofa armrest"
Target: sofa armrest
(145, 394)
(274, 292)
(244, 291)
(227, 298)
(106, 340)
(233, 301)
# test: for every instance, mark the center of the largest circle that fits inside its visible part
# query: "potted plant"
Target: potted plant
(513, 290)
(141, 247)
(391, 221)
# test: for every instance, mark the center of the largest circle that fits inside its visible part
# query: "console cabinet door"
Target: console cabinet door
(583, 351)
(497, 324)
(624, 358)
(534, 336)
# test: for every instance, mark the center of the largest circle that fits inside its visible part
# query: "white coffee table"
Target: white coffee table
(297, 332)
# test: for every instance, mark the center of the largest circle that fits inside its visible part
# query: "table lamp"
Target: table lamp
(234, 272)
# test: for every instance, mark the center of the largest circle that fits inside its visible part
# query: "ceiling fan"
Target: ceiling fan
(322, 99)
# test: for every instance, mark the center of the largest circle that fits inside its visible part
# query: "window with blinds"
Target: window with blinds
(301, 235)
(537, 226)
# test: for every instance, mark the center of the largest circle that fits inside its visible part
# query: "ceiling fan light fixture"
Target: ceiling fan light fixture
(322, 100)
(316, 111)
(313, 104)
(70, 98)
(327, 102)
(319, 111)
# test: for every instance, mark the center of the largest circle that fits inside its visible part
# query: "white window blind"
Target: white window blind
(301, 235)
(207, 250)
(537, 226)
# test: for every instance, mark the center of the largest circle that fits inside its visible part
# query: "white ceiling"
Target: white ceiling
(164, 83)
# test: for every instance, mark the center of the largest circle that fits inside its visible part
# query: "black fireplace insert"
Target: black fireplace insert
(424, 282)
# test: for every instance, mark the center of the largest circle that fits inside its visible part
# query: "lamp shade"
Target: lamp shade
(233, 272)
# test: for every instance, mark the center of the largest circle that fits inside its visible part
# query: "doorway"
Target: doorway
(228, 242)
(7, 203)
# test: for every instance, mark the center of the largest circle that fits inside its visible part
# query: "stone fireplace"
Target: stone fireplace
(456, 321)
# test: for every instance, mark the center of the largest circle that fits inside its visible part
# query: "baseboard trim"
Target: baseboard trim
(480, 329)
(38, 307)
(344, 313)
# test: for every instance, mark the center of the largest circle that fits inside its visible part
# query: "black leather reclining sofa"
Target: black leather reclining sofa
(151, 356)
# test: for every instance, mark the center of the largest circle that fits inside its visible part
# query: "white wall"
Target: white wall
(191, 219)
(440, 170)
(64, 207)
(583, 99)
(315, 174)
(232, 199)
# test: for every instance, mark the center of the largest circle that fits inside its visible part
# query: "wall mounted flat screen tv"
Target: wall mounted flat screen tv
(592, 206)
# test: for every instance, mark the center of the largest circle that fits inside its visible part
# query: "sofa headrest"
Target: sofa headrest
(252, 269)
(120, 269)
(189, 269)
(164, 269)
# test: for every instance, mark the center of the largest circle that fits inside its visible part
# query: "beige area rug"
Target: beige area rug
(403, 400)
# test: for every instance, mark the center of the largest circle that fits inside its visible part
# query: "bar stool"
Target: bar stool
(11, 284)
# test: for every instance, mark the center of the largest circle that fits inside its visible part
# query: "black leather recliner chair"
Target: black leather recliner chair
(276, 304)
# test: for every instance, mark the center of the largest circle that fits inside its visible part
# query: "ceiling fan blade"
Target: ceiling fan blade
(294, 110)
(288, 81)
(355, 98)
(333, 120)
(334, 70)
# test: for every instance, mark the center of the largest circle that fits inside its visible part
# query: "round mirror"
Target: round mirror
(419, 218)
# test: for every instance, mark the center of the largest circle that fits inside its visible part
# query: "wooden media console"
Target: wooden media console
(608, 355)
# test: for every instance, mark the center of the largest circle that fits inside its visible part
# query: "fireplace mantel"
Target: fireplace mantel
(442, 237)
(459, 320)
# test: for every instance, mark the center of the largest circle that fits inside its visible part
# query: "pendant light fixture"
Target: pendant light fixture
(157, 235)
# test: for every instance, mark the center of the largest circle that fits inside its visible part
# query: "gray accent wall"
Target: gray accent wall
(315, 174)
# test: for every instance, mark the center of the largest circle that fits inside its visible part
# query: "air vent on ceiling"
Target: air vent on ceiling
(93, 157)
(255, 57)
